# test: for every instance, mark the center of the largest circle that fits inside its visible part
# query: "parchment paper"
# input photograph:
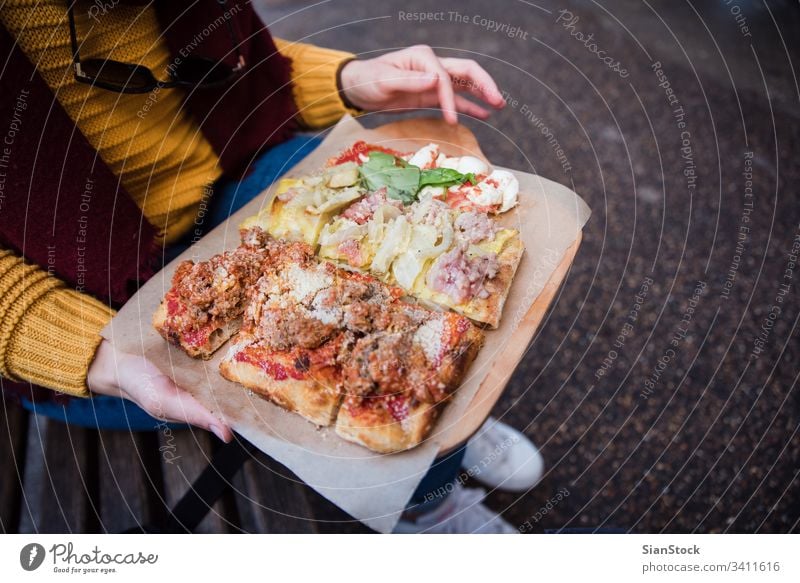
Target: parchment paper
(371, 487)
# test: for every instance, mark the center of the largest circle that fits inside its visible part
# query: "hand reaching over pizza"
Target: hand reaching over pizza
(356, 296)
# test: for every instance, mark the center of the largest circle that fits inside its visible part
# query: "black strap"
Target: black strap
(206, 489)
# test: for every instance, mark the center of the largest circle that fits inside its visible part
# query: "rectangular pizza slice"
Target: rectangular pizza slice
(474, 277)
(204, 306)
(301, 380)
(297, 330)
(398, 377)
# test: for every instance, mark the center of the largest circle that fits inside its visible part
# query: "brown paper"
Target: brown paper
(373, 488)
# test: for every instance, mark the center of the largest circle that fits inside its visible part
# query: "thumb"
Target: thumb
(157, 394)
(407, 81)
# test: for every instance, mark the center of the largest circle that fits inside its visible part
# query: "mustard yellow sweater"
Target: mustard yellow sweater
(49, 333)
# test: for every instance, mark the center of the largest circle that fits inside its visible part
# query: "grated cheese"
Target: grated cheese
(327, 315)
(303, 282)
(429, 338)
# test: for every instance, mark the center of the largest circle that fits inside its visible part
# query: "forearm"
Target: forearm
(314, 78)
(48, 332)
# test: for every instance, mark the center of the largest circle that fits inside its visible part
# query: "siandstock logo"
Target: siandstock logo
(31, 556)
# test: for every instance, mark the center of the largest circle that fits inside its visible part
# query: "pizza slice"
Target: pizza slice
(397, 378)
(474, 277)
(300, 207)
(287, 350)
(298, 327)
(301, 380)
(462, 261)
(204, 306)
(354, 237)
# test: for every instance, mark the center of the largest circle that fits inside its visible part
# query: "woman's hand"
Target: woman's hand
(415, 78)
(135, 378)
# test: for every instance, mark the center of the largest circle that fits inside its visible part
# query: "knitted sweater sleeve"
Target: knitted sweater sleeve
(48, 332)
(314, 82)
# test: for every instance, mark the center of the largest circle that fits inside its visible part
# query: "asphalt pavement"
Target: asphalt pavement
(662, 387)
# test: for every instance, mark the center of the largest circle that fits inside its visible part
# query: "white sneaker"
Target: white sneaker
(460, 513)
(502, 457)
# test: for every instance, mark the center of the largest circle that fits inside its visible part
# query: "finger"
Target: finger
(157, 394)
(422, 58)
(399, 80)
(470, 76)
(175, 403)
(469, 108)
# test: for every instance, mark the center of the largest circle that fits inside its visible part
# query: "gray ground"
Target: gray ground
(707, 440)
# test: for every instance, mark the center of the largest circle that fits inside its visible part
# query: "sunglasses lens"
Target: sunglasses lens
(124, 76)
(201, 71)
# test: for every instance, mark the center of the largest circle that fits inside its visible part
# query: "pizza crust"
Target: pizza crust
(315, 398)
(490, 309)
(377, 430)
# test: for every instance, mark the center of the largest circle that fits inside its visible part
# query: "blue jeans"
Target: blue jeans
(114, 413)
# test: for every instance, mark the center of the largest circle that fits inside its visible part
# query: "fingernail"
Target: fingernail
(216, 430)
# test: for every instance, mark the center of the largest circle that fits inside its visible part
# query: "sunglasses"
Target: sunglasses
(132, 78)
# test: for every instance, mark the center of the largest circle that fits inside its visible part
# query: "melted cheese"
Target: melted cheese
(496, 245)
(426, 157)
(500, 188)
(466, 164)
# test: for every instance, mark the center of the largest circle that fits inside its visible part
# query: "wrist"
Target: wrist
(101, 377)
(346, 76)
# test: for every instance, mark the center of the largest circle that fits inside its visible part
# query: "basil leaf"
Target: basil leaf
(400, 179)
(444, 177)
(403, 180)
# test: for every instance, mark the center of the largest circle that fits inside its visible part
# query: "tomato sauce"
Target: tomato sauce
(352, 153)
(398, 406)
(276, 370)
(197, 337)
(458, 201)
